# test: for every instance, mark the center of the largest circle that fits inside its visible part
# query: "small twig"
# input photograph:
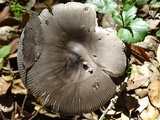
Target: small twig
(24, 100)
(15, 111)
(35, 114)
(115, 98)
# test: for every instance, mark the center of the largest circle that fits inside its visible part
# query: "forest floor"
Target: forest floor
(139, 100)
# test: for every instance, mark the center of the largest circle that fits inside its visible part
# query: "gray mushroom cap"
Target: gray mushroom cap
(68, 61)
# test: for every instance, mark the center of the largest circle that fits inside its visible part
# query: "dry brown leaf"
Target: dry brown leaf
(14, 45)
(4, 86)
(44, 112)
(41, 5)
(150, 45)
(31, 3)
(139, 77)
(5, 33)
(143, 103)
(139, 52)
(141, 92)
(154, 93)
(95, 116)
(18, 87)
(124, 116)
(142, 75)
(158, 53)
(14, 55)
(24, 20)
(89, 116)
(7, 78)
(153, 23)
(150, 113)
(2, 1)
(4, 14)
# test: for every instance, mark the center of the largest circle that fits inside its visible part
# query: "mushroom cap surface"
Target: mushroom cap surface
(65, 59)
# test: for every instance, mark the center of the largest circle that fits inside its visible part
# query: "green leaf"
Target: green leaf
(139, 28)
(155, 5)
(125, 35)
(141, 2)
(127, 7)
(135, 32)
(105, 6)
(129, 15)
(118, 19)
(4, 51)
(158, 33)
(130, 2)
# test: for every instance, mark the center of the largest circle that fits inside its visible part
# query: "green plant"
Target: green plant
(4, 52)
(131, 28)
(17, 9)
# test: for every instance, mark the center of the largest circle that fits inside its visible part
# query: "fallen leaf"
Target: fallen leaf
(18, 87)
(14, 45)
(2, 1)
(158, 53)
(139, 77)
(138, 52)
(24, 20)
(5, 33)
(153, 23)
(44, 112)
(141, 92)
(124, 116)
(4, 14)
(4, 86)
(7, 78)
(154, 93)
(143, 103)
(150, 113)
(31, 3)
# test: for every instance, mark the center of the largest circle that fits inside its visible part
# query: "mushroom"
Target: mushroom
(67, 61)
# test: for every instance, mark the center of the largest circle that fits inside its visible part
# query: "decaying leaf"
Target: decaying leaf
(4, 86)
(139, 52)
(18, 87)
(140, 77)
(4, 14)
(158, 53)
(153, 24)
(151, 113)
(14, 45)
(44, 112)
(5, 33)
(154, 93)
(149, 43)
(141, 92)
(7, 78)
(31, 3)
(142, 104)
